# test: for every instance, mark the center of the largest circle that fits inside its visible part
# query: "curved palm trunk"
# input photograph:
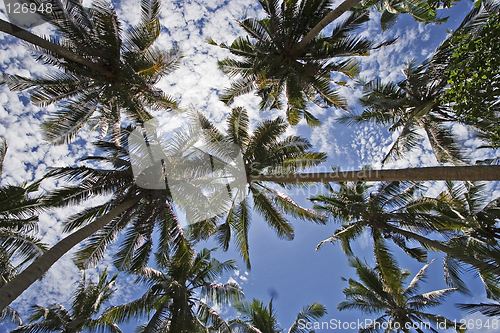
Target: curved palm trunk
(332, 16)
(33, 272)
(27, 36)
(471, 173)
(480, 265)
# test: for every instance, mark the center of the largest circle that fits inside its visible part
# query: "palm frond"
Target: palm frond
(309, 313)
(3, 152)
(452, 270)
(264, 206)
(487, 309)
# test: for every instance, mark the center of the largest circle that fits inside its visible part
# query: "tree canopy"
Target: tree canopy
(474, 79)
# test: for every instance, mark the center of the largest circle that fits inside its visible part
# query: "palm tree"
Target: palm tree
(468, 203)
(471, 203)
(55, 48)
(394, 210)
(272, 66)
(409, 105)
(19, 210)
(383, 210)
(133, 66)
(289, 55)
(139, 212)
(88, 298)
(255, 317)
(422, 11)
(415, 103)
(7, 272)
(380, 290)
(265, 151)
(179, 293)
(139, 209)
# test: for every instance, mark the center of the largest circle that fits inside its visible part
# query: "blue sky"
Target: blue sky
(292, 271)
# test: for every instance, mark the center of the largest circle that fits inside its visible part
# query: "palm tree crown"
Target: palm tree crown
(380, 290)
(397, 211)
(271, 64)
(265, 151)
(468, 204)
(256, 317)
(415, 105)
(383, 210)
(88, 298)
(19, 210)
(152, 209)
(409, 105)
(180, 292)
(134, 65)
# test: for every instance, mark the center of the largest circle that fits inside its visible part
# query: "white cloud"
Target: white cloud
(231, 280)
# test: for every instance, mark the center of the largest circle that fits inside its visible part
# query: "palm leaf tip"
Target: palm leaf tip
(211, 41)
(3, 152)
(487, 309)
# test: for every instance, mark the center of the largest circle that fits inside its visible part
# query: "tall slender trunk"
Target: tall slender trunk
(471, 173)
(27, 36)
(492, 268)
(33, 272)
(332, 16)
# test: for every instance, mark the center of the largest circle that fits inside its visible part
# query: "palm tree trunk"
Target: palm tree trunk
(471, 173)
(39, 267)
(332, 16)
(478, 264)
(27, 36)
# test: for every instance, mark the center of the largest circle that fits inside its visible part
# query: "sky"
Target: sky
(292, 272)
